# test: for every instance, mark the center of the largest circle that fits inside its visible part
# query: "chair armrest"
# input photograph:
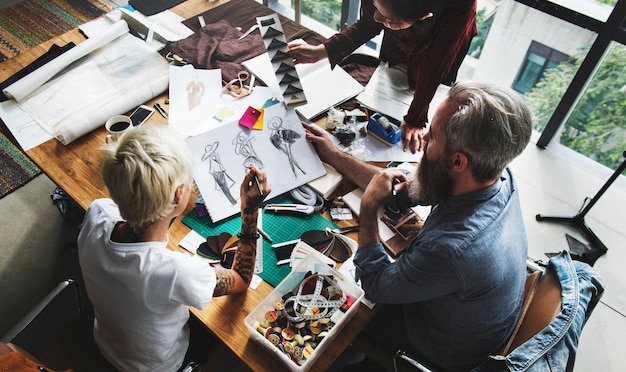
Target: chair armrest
(34, 312)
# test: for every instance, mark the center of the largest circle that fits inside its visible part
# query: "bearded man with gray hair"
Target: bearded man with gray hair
(452, 298)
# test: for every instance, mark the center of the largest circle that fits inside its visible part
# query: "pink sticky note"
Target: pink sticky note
(250, 117)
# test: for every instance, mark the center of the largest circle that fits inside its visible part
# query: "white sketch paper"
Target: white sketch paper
(198, 104)
(222, 155)
(191, 93)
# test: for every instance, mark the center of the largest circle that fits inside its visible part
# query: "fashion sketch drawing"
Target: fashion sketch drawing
(283, 139)
(243, 146)
(217, 170)
(195, 91)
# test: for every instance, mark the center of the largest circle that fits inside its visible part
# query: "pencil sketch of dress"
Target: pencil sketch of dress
(195, 91)
(243, 146)
(283, 139)
(217, 170)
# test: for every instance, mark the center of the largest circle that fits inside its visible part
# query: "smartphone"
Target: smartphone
(141, 114)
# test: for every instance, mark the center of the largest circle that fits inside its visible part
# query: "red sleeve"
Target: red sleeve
(429, 65)
(342, 44)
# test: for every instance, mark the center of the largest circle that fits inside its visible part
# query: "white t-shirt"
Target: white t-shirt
(140, 293)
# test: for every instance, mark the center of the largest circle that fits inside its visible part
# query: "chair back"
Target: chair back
(542, 303)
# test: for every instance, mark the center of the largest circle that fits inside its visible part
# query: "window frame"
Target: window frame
(614, 29)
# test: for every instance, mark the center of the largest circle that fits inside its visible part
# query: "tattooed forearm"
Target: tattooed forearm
(225, 282)
(244, 260)
(249, 223)
(252, 204)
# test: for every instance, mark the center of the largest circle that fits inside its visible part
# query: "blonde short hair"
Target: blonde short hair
(143, 170)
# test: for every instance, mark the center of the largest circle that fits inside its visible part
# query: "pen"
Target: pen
(160, 109)
(264, 234)
(258, 185)
(393, 187)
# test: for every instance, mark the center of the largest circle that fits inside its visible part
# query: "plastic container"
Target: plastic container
(291, 283)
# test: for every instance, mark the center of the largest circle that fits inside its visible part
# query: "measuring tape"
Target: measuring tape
(258, 265)
(313, 306)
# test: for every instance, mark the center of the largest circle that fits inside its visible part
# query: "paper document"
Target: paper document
(388, 92)
(280, 149)
(324, 88)
(122, 73)
(23, 87)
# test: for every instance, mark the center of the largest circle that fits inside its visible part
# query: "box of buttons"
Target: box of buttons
(301, 316)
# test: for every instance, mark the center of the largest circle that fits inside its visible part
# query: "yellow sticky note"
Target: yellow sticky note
(259, 122)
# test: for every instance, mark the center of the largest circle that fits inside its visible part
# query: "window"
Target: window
(326, 17)
(525, 44)
(538, 59)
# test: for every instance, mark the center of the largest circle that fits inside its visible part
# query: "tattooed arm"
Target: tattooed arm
(238, 278)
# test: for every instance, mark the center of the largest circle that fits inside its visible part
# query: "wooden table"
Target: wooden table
(76, 169)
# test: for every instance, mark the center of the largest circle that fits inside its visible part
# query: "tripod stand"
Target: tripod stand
(578, 220)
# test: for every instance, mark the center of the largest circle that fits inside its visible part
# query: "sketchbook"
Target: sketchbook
(324, 87)
(222, 156)
(388, 92)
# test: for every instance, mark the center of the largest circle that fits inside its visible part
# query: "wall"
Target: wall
(515, 26)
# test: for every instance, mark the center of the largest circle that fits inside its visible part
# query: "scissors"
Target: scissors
(250, 30)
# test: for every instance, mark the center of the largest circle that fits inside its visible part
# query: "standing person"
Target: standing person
(430, 37)
(453, 297)
(141, 290)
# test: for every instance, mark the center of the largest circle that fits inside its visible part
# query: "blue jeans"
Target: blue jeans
(554, 348)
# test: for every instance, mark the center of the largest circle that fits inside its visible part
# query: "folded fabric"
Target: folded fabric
(215, 46)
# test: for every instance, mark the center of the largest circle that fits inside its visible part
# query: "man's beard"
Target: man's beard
(432, 181)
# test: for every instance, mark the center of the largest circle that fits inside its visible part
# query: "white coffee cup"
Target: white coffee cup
(116, 126)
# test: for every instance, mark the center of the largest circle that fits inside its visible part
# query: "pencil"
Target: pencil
(258, 185)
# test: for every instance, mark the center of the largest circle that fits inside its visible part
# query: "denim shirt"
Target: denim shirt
(554, 348)
(461, 281)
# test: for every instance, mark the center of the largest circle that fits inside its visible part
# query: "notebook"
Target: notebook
(324, 88)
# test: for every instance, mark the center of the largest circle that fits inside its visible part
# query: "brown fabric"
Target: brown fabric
(215, 46)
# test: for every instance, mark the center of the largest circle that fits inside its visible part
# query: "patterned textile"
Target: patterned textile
(15, 168)
(31, 22)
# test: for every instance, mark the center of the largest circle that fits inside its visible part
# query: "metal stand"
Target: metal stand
(578, 220)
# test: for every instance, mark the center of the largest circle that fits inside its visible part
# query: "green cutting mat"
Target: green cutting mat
(281, 228)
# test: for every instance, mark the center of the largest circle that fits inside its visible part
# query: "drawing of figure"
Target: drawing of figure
(243, 146)
(195, 91)
(283, 139)
(217, 170)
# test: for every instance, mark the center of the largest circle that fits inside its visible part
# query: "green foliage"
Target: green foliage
(596, 127)
(327, 12)
(484, 24)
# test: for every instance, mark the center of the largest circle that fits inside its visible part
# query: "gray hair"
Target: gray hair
(143, 170)
(491, 127)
